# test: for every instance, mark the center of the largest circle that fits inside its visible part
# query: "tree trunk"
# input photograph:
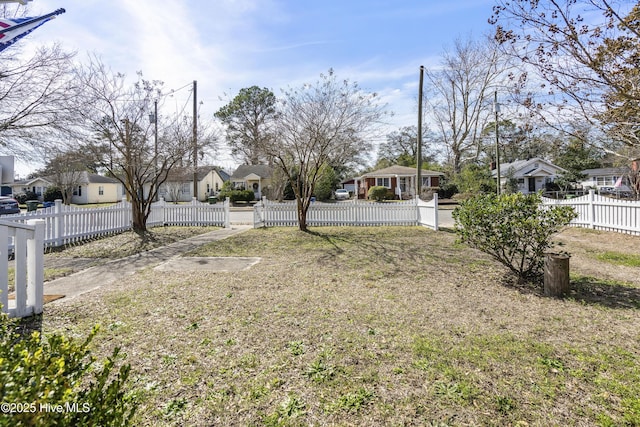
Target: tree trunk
(556, 274)
(303, 207)
(139, 223)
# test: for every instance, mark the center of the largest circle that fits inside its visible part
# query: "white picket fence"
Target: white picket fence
(603, 213)
(25, 235)
(27, 247)
(69, 224)
(350, 213)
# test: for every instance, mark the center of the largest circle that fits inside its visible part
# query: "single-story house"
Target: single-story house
(252, 177)
(179, 185)
(606, 177)
(35, 185)
(87, 188)
(532, 175)
(401, 179)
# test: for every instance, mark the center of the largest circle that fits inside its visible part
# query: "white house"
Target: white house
(606, 177)
(87, 188)
(252, 177)
(179, 186)
(531, 175)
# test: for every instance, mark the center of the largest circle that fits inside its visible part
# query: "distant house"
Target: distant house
(531, 175)
(36, 185)
(252, 177)
(401, 180)
(179, 185)
(87, 188)
(606, 177)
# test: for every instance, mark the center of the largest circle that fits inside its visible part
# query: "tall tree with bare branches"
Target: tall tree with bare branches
(581, 62)
(115, 118)
(328, 122)
(458, 94)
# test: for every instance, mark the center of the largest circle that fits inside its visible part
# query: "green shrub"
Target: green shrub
(379, 193)
(51, 194)
(514, 228)
(57, 382)
(237, 195)
(24, 196)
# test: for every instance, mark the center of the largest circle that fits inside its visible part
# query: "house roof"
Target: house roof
(263, 171)
(84, 178)
(531, 167)
(605, 172)
(400, 171)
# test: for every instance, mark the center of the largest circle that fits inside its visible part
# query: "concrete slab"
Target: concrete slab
(211, 264)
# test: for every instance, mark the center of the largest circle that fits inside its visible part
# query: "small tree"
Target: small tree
(328, 122)
(515, 229)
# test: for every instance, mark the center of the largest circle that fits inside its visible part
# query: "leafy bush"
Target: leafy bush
(24, 196)
(237, 195)
(514, 228)
(56, 381)
(51, 194)
(447, 190)
(380, 193)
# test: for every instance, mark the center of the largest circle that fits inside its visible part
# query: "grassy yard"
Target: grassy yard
(369, 326)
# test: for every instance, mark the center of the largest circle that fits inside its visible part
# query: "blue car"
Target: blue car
(8, 206)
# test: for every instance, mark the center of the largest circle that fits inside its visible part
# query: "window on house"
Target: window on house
(383, 182)
(101, 190)
(605, 180)
(186, 188)
(426, 181)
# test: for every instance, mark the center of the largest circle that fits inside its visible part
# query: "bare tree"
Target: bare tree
(580, 61)
(325, 123)
(66, 169)
(458, 96)
(400, 147)
(35, 97)
(115, 117)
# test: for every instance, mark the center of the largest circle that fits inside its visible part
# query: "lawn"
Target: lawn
(368, 326)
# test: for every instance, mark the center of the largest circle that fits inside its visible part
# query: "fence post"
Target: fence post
(35, 266)
(592, 209)
(4, 268)
(227, 213)
(58, 237)
(435, 211)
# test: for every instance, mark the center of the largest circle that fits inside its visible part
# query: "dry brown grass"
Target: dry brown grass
(369, 326)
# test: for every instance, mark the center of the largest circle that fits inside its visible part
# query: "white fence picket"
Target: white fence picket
(352, 213)
(603, 213)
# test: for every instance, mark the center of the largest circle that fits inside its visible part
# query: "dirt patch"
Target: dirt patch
(210, 264)
(586, 245)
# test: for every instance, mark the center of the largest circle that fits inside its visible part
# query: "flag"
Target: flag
(12, 30)
(618, 183)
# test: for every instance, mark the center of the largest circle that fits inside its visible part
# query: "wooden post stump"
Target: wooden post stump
(556, 274)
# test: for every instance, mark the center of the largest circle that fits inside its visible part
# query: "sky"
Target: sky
(227, 45)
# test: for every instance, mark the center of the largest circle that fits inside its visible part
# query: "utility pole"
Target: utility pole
(155, 141)
(195, 138)
(496, 110)
(419, 148)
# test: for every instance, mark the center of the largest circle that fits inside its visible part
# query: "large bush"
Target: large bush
(515, 229)
(51, 194)
(57, 382)
(380, 193)
(237, 195)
